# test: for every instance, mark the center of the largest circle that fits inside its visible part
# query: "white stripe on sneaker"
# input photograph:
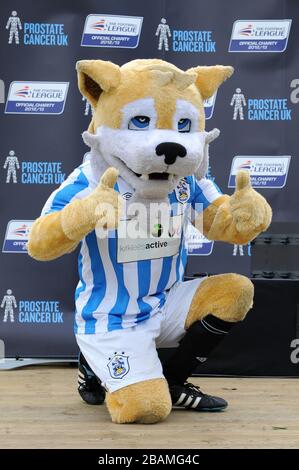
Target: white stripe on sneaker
(209, 328)
(196, 402)
(188, 401)
(217, 331)
(182, 397)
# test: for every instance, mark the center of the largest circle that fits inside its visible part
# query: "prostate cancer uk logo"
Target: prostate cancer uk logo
(260, 36)
(30, 311)
(265, 171)
(35, 34)
(36, 97)
(259, 109)
(16, 236)
(179, 40)
(112, 31)
(32, 172)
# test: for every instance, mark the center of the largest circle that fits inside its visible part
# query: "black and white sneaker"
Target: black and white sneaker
(190, 397)
(89, 386)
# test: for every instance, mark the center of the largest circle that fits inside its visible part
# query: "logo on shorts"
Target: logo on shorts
(118, 365)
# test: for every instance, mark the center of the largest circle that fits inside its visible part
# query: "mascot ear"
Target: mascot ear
(210, 78)
(95, 76)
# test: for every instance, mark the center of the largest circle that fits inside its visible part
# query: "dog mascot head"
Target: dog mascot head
(148, 120)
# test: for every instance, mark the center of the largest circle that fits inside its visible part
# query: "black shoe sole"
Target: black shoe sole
(91, 399)
(205, 410)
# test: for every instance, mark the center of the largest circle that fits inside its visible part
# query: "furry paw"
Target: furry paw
(251, 214)
(108, 201)
(144, 402)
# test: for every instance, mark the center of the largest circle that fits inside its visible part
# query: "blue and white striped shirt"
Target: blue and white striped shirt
(112, 295)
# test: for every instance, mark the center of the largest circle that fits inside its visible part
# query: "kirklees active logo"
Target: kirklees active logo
(112, 31)
(35, 34)
(260, 35)
(265, 171)
(197, 243)
(179, 40)
(209, 105)
(36, 97)
(32, 172)
(16, 236)
(30, 311)
(259, 109)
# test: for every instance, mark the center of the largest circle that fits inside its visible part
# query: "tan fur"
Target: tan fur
(227, 296)
(138, 85)
(95, 76)
(55, 234)
(47, 240)
(204, 220)
(138, 79)
(109, 87)
(210, 78)
(144, 402)
(238, 218)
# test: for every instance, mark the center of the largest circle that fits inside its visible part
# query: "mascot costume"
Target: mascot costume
(149, 148)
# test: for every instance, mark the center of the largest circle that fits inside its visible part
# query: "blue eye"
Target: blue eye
(184, 125)
(139, 123)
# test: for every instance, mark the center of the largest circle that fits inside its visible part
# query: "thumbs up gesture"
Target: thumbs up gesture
(101, 208)
(250, 212)
(238, 218)
(107, 201)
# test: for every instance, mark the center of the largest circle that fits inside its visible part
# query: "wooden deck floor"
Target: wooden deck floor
(40, 408)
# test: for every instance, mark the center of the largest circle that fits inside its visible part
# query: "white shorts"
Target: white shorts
(123, 357)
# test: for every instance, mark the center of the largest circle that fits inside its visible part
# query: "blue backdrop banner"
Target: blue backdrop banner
(42, 117)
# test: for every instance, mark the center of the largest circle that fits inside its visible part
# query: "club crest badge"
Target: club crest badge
(118, 365)
(182, 191)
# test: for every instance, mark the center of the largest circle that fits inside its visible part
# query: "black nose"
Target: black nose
(171, 151)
